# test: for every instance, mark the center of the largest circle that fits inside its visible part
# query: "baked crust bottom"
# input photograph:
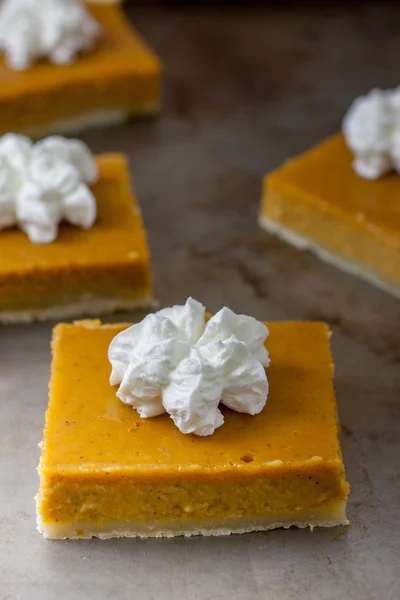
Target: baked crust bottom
(329, 516)
(88, 307)
(348, 266)
(89, 119)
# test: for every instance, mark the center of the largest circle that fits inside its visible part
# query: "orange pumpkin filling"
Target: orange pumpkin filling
(120, 74)
(105, 472)
(317, 201)
(101, 269)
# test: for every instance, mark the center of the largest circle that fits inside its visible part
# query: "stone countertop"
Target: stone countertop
(245, 89)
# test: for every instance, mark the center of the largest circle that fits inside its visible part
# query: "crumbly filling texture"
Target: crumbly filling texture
(125, 497)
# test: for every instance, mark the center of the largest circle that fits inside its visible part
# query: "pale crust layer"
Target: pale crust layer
(98, 118)
(330, 516)
(87, 307)
(303, 243)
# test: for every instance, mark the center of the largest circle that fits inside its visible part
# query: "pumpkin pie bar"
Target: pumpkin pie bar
(317, 202)
(119, 78)
(105, 472)
(93, 271)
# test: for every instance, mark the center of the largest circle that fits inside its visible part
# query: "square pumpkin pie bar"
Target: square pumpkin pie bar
(93, 271)
(318, 202)
(118, 76)
(106, 472)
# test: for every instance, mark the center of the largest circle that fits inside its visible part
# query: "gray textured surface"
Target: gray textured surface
(245, 89)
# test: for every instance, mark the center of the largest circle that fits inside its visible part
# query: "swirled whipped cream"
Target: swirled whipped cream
(372, 131)
(174, 361)
(35, 29)
(44, 183)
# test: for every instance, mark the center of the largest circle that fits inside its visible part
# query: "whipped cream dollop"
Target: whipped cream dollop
(372, 131)
(174, 361)
(35, 29)
(44, 183)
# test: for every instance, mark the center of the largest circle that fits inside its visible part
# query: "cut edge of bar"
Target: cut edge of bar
(303, 243)
(86, 307)
(329, 516)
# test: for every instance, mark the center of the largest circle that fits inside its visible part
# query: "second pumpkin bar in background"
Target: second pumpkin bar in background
(325, 201)
(51, 269)
(111, 76)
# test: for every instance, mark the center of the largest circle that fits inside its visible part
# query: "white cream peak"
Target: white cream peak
(44, 183)
(174, 361)
(55, 29)
(372, 131)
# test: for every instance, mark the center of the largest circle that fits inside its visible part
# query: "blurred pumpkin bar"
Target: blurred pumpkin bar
(100, 268)
(98, 70)
(317, 202)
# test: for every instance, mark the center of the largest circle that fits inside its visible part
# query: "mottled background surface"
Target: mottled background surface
(245, 89)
